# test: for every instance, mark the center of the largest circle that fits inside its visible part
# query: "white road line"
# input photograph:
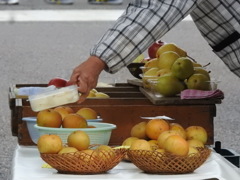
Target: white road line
(61, 15)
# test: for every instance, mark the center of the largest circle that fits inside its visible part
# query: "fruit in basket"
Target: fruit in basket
(152, 50)
(166, 60)
(58, 82)
(88, 154)
(138, 130)
(168, 85)
(74, 121)
(197, 132)
(63, 110)
(49, 144)
(67, 150)
(105, 152)
(198, 81)
(140, 144)
(195, 143)
(78, 139)
(129, 141)
(154, 144)
(49, 118)
(176, 145)
(182, 68)
(179, 128)
(155, 127)
(164, 135)
(87, 113)
(171, 47)
(192, 151)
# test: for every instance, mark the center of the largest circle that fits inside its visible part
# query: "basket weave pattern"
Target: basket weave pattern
(156, 162)
(83, 163)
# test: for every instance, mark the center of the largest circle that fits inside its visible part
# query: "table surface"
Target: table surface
(28, 165)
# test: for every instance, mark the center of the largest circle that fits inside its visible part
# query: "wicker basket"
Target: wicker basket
(83, 163)
(166, 163)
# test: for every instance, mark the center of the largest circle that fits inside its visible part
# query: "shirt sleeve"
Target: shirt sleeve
(142, 23)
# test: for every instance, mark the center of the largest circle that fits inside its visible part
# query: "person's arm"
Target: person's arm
(142, 23)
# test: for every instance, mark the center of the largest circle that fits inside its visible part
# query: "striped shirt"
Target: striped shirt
(145, 21)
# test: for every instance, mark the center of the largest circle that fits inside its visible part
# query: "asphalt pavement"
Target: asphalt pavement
(36, 51)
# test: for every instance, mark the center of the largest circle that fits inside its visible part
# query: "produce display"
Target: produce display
(158, 146)
(155, 134)
(65, 117)
(171, 70)
(78, 156)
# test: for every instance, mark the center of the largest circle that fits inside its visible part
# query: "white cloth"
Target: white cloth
(27, 165)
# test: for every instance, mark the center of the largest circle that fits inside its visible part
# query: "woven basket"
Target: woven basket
(166, 163)
(83, 163)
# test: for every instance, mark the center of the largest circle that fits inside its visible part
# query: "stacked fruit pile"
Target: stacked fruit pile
(157, 146)
(162, 136)
(171, 70)
(78, 156)
(65, 117)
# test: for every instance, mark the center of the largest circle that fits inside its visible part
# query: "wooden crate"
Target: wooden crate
(124, 108)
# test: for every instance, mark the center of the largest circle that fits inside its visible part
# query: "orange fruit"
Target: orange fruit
(78, 139)
(74, 121)
(140, 144)
(87, 113)
(49, 118)
(63, 110)
(49, 144)
(176, 145)
(155, 127)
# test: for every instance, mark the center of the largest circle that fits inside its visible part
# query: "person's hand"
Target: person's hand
(85, 76)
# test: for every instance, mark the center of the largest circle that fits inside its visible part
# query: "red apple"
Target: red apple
(152, 50)
(58, 82)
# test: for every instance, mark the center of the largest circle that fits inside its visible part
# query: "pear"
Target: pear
(198, 81)
(166, 60)
(163, 72)
(168, 85)
(139, 59)
(151, 63)
(150, 74)
(182, 68)
(195, 64)
(138, 130)
(199, 70)
(101, 95)
(171, 47)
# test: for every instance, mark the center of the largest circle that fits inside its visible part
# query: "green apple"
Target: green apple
(166, 60)
(182, 68)
(168, 85)
(198, 81)
(171, 47)
(199, 70)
